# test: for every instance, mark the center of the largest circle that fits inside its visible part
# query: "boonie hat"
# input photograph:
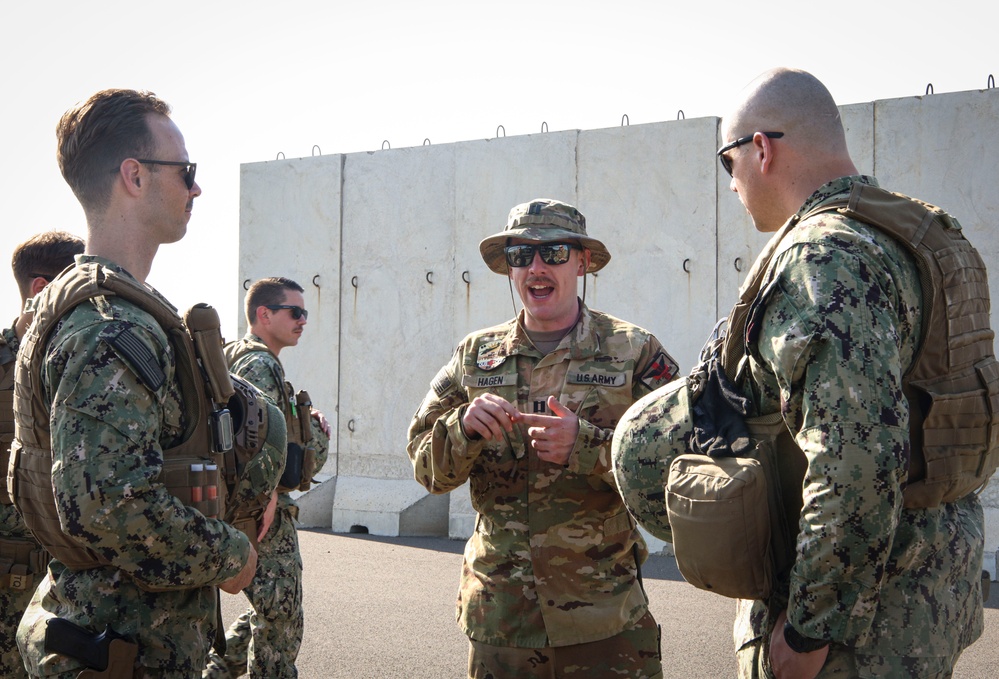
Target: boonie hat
(654, 431)
(544, 220)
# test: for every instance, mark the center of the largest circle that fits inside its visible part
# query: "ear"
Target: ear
(37, 284)
(263, 315)
(129, 172)
(584, 262)
(764, 149)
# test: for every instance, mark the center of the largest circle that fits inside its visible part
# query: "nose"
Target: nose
(196, 189)
(536, 262)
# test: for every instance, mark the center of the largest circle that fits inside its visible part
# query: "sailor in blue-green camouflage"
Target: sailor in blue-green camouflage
(14, 597)
(109, 430)
(897, 591)
(265, 639)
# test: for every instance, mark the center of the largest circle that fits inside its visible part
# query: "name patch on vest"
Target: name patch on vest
(488, 381)
(603, 379)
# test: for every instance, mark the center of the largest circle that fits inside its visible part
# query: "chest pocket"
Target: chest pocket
(501, 380)
(598, 393)
(503, 383)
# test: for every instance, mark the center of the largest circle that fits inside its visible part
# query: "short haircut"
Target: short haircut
(268, 292)
(45, 255)
(94, 137)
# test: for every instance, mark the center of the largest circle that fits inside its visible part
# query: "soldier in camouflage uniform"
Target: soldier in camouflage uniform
(264, 641)
(111, 419)
(525, 412)
(35, 262)
(877, 589)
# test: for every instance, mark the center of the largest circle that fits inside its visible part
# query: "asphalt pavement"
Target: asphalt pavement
(384, 608)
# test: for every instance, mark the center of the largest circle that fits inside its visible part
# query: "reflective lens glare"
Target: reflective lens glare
(551, 253)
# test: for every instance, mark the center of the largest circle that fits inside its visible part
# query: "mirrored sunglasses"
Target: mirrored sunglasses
(551, 253)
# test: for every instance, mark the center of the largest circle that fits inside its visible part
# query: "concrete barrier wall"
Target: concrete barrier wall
(386, 245)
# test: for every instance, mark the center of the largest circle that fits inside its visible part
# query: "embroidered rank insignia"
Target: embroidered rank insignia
(486, 359)
(661, 370)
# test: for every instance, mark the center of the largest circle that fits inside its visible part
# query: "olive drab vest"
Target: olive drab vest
(300, 465)
(953, 383)
(197, 471)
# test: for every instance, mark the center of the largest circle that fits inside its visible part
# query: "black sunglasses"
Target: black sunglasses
(727, 162)
(297, 312)
(189, 168)
(551, 253)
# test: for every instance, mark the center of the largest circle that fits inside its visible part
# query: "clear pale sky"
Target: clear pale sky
(250, 79)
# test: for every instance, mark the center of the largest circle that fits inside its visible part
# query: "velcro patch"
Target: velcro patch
(141, 359)
(603, 379)
(488, 381)
(442, 382)
(490, 355)
(660, 371)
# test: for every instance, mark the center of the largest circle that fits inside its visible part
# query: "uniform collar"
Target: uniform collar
(579, 343)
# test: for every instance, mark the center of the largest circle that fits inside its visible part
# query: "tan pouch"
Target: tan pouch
(720, 538)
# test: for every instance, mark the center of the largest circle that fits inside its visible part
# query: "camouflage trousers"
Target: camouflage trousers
(13, 602)
(633, 654)
(264, 641)
(843, 663)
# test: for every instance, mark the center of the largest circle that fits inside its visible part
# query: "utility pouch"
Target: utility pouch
(20, 562)
(202, 322)
(304, 415)
(248, 525)
(308, 468)
(291, 479)
(309, 451)
(195, 482)
(729, 516)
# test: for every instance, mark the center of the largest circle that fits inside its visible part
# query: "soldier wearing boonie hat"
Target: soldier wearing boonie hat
(525, 412)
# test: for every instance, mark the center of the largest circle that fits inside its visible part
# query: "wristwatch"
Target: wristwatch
(799, 643)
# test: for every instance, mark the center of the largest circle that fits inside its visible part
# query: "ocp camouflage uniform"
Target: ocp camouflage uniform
(108, 433)
(897, 591)
(266, 638)
(554, 557)
(15, 594)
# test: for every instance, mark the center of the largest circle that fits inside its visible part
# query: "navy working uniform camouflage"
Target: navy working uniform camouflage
(896, 591)
(108, 433)
(265, 639)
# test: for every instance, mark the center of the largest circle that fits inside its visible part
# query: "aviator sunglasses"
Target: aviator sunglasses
(297, 312)
(551, 253)
(727, 162)
(189, 168)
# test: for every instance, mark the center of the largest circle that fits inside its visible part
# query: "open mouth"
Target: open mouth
(540, 291)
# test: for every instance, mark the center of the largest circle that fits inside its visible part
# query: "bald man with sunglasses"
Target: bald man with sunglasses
(525, 412)
(264, 641)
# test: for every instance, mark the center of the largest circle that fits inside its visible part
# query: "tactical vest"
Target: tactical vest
(21, 560)
(7, 358)
(198, 471)
(300, 465)
(952, 385)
